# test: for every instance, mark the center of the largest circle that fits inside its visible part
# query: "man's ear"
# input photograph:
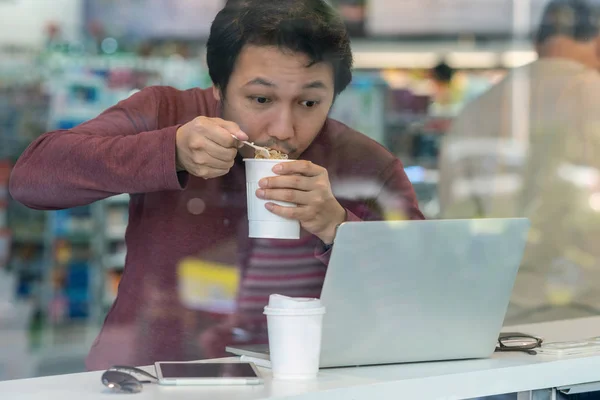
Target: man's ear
(217, 93)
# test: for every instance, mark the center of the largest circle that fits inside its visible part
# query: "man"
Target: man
(529, 148)
(277, 66)
(444, 98)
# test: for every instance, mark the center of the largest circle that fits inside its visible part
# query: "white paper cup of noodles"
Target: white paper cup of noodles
(262, 222)
(295, 337)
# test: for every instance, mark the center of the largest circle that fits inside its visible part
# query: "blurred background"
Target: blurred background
(417, 63)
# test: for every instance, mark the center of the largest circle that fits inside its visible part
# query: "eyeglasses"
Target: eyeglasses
(122, 379)
(518, 342)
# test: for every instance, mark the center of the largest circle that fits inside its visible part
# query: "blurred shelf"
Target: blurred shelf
(69, 350)
(116, 233)
(76, 238)
(375, 54)
(118, 199)
(114, 261)
(109, 299)
(399, 119)
(422, 176)
(116, 61)
(28, 239)
(80, 112)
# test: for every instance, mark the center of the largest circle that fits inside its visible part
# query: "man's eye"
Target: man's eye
(309, 103)
(261, 100)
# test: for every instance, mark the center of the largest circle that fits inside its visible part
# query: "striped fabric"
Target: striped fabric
(287, 267)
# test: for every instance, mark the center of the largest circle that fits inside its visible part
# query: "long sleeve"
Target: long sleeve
(123, 150)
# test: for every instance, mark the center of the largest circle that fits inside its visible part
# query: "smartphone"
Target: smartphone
(191, 373)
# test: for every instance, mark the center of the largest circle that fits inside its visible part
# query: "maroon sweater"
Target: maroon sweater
(130, 148)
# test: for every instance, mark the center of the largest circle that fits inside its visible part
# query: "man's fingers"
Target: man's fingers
(295, 213)
(219, 152)
(287, 195)
(209, 173)
(221, 136)
(300, 167)
(218, 164)
(233, 128)
(297, 182)
(205, 160)
(224, 133)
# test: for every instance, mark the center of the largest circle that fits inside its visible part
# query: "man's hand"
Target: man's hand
(307, 185)
(205, 147)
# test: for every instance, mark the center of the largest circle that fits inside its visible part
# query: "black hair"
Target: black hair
(443, 72)
(576, 19)
(311, 27)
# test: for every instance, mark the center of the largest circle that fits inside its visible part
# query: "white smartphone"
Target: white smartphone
(190, 373)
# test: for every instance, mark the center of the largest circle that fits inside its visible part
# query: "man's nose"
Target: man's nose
(282, 124)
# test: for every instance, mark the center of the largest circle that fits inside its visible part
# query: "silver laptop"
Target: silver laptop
(410, 291)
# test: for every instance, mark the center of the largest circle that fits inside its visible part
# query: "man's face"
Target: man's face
(276, 99)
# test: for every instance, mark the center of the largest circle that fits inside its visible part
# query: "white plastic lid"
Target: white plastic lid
(281, 301)
(284, 305)
(292, 312)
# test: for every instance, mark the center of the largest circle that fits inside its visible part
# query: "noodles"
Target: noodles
(273, 155)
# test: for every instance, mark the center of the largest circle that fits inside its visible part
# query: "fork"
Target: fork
(264, 150)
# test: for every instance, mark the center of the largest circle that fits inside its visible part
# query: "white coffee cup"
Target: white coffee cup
(295, 341)
(262, 222)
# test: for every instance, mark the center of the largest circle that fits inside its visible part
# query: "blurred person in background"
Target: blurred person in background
(277, 67)
(530, 147)
(444, 93)
(452, 90)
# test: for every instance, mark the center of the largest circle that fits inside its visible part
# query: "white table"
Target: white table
(503, 373)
